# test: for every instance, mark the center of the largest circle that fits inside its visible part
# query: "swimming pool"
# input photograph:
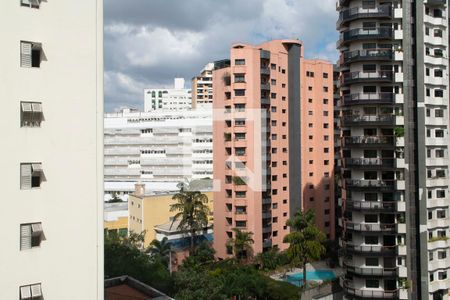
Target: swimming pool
(297, 278)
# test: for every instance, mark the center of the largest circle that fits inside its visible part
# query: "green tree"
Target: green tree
(201, 257)
(160, 250)
(124, 256)
(192, 211)
(305, 240)
(241, 244)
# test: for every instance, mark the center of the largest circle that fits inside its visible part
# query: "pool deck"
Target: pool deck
(319, 265)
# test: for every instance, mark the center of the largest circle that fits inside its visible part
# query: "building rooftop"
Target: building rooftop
(126, 288)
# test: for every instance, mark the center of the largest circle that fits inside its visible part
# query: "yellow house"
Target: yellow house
(147, 210)
(115, 218)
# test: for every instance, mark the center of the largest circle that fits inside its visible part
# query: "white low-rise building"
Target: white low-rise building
(176, 98)
(164, 147)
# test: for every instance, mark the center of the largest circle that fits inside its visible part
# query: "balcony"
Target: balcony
(368, 163)
(369, 294)
(373, 206)
(364, 184)
(265, 86)
(366, 55)
(368, 99)
(362, 77)
(345, 16)
(370, 250)
(265, 70)
(368, 120)
(370, 227)
(368, 141)
(357, 34)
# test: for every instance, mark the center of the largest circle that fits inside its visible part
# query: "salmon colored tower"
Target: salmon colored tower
(273, 143)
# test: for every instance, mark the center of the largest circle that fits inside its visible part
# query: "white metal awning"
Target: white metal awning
(36, 229)
(37, 107)
(27, 107)
(36, 290)
(25, 292)
(37, 167)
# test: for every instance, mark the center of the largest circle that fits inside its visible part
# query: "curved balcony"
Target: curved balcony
(366, 55)
(368, 141)
(370, 250)
(365, 184)
(368, 294)
(361, 34)
(367, 120)
(367, 99)
(368, 163)
(375, 227)
(362, 77)
(370, 271)
(373, 206)
(345, 16)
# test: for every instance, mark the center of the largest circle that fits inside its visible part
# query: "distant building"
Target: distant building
(273, 143)
(128, 288)
(115, 216)
(202, 89)
(177, 98)
(148, 210)
(165, 147)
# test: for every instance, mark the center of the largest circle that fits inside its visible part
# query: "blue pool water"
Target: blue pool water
(297, 278)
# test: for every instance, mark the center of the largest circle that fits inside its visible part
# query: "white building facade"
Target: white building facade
(52, 151)
(165, 147)
(177, 98)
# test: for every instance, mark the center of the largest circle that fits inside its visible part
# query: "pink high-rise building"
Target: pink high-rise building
(273, 142)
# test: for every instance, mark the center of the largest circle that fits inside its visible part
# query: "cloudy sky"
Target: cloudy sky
(149, 42)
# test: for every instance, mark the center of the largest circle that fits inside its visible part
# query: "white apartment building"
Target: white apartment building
(177, 98)
(202, 88)
(163, 147)
(51, 90)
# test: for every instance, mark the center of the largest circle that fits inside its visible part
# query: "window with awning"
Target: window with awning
(31, 114)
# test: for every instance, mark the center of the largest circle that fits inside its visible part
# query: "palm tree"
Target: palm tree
(160, 249)
(192, 211)
(241, 244)
(305, 240)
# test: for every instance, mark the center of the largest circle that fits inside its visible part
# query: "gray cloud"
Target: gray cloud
(149, 42)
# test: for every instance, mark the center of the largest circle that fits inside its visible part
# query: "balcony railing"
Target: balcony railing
(368, 162)
(382, 11)
(367, 141)
(363, 99)
(384, 185)
(366, 55)
(370, 271)
(367, 120)
(370, 294)
(371, 205)
(378, 33)
(362, 77)
(371, 227)
(370, 249)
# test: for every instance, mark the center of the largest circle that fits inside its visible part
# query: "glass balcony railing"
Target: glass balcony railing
(370, 98)
(371, 271)
(367, 141)
(367, 293)
(366, 55)
(374, 120)
(370, 249)
(376, 33)
(367, 77)
(372, 227)
(382, 11)
(371, 205)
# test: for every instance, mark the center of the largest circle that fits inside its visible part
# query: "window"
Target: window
(238, 93)
(273, 95)
(239, 78)
(368, 4)
(438, 73)
(239, 62)
(30, 114)
(325, 75)
(31, 175)
(241, 224)
(369, 68)
(372, 261)
(325, 89)
(371, 240)
(372, 283)
(30, 55)
(32, 291)
(273, 66)
(273, 82)
(369, 89)
(31, 235)
(439, 133)
(371, 218)
(442, 254)
(442, 275)
(441, 214)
